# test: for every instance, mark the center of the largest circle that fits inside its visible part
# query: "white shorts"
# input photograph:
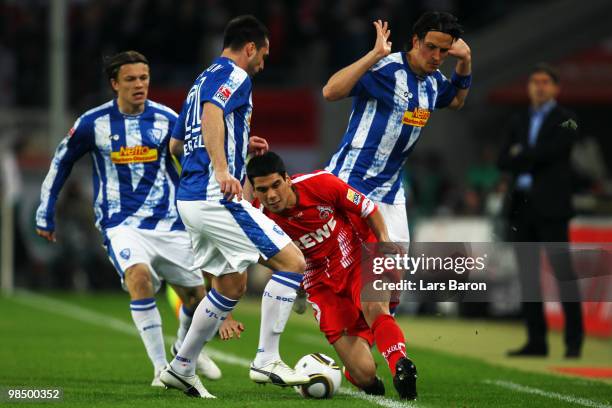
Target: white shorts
(228, 237)
(167, 254)
(396, 220)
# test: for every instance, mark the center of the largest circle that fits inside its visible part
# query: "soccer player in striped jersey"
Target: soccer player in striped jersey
(227, 233)
(330, 221)
(394, 95)
(135, 183)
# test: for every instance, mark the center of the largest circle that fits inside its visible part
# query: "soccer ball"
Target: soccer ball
(324, 373)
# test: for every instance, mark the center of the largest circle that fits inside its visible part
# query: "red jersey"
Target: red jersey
(327, 224)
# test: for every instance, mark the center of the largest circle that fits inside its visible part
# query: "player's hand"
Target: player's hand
(230, 328)
(391, 248)
(258, 145)
(382, 47)
(230, 186)
(460, 50)
(48, 235)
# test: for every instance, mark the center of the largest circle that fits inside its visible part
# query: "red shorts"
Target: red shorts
(339, 313)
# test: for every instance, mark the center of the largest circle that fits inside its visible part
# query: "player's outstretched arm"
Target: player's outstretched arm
(340, 84)
(213, 132)
(377, 224)
(78, 142)
(463, 53)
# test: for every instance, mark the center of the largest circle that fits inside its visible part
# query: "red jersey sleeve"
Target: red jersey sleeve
(346, 197)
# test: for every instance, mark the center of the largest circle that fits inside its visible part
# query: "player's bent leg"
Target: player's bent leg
(371, 310)
(190, 298)
(139, 282)
(278, 297)
(359, 367)
(232, 285)
(289, 259)
(207, 318)
(146, 316)
(392, 345)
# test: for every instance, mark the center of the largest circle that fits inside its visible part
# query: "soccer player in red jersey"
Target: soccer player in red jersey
(329, 221)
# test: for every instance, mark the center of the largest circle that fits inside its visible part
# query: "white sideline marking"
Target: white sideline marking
(73, 311)
(382, 401)
(549, 394)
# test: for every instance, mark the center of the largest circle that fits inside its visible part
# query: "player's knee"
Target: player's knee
(371, 310)
(138, 278)
(240, 290)
(235, 291)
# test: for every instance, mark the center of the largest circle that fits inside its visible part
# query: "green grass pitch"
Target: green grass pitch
(86, 346)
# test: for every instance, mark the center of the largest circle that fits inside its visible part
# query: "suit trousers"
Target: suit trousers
(526, 225)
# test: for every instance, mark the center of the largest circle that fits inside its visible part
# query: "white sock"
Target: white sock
(276, 303)
(185, 316)
(148, 322)
(207, 318)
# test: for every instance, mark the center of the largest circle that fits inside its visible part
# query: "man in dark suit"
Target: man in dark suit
(538, 206)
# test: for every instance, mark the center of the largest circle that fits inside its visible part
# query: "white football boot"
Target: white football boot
(207, 367)
(156, 381)
(204, 365)
(277, 373)
(190, 385)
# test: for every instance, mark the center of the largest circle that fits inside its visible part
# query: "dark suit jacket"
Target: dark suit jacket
(548, 162)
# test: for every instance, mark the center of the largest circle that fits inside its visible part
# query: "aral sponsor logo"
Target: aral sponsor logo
(353, 196)
(418, 117)
(134, 154)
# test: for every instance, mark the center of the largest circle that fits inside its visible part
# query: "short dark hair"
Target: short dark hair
(437, 21)
(242, 30)
(547, 69)
(113, 64)
(264, 165)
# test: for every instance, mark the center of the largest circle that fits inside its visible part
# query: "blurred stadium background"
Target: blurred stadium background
(50, 72)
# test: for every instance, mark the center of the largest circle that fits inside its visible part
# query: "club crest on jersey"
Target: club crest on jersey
(134, 154)
(155, 135)
(418, 117)
(353, 196)
(223, 93)
(325, 211)
(125, 253)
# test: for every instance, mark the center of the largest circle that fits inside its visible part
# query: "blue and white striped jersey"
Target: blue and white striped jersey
(134, 178)
(229, 87)
(390, 107)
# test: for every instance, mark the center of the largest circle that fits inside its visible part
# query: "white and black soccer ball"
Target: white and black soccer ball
(325, 376)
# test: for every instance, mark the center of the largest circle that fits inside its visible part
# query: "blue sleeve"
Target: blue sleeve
(79, 141)
(240, 97)
(366, 86)
(227, 89)
(446, 90)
